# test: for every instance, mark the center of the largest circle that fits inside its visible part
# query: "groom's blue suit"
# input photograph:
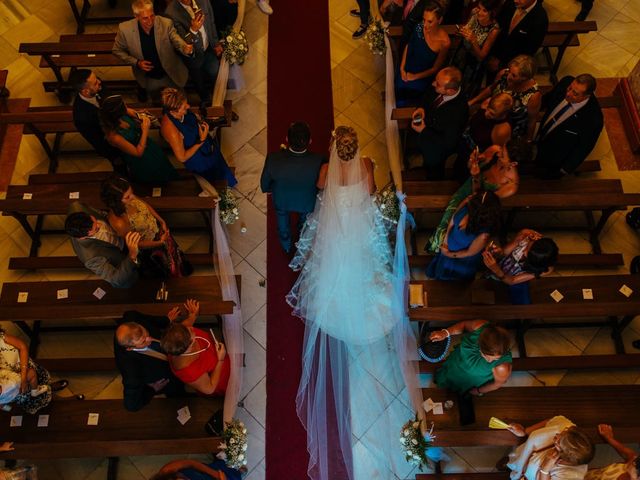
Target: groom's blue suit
(291, 179)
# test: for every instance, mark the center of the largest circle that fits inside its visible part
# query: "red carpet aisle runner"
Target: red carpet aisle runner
(299, 88)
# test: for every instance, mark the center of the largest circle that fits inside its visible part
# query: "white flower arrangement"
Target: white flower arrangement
(414, 443)
(388, 204)
(228, 207)
(375, 37)
(234, 445)
(236, 46)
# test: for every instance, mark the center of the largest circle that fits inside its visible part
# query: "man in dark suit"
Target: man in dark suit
(100, 248)
(195, 23)
(570, 127)
(290, 176)
(86, 106)
(523, 25)
(441, 121)
(140, 359)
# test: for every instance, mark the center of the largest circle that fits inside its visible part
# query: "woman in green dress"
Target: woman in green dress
(128, 131)
(481, 362)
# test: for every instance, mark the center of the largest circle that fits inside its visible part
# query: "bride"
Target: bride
(351, 396)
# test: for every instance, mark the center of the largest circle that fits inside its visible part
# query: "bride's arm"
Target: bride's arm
(322, 176)
(368, 164)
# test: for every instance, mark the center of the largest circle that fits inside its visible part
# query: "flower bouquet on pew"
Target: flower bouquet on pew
(375, 37)
(236, 46)
(228, 207)
(233, 449)
(414, 443)
(388, 204)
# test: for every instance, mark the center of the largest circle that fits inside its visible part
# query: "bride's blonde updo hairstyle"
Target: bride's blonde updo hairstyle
(346, 142)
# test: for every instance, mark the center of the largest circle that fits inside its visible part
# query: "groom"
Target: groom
(290, 175)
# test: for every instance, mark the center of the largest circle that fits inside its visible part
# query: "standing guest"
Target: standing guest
(628, 470)
(86, 119)
(523, 25)
(160, 255)
(555, 449)
(23, 382)
(518, 81)
(142, 363)
(441, 121)
(194, 22)
(423, 56)
(197, 358)
(364, 14)
(225, 13)
(467, 235)
(481, 363)
(194, 470)
(290, 176)
(570, 127)
(479, 34)
(128, 131)
(188, 136)
(149, 44)
(99, 247)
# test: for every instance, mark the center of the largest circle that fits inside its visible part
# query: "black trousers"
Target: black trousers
(364, 7)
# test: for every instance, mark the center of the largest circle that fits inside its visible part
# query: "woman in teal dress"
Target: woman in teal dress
(466, 237)
(128, 131)
(481, 362)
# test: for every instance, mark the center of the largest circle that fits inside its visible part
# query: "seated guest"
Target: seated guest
(479, 34)
(128, 131)
(440, 122)
(189, 138)
(528, 256)
(197, 358)
(194, 470)
(481, 363)
(159, 255)
(518, 81)
(570, 127)
(423, 56)
(627, 470)
(140, 359)
(194, 22)
(468, 233)
(99, 247)
(488, 126)
(555, 449)
(523, 25)
(495, 170)
(150, 43)
(23, 382)
(86, 119)
(412, 11)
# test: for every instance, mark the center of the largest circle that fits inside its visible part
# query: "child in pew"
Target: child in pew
(194, 470)
(554, 450)
(627, 470)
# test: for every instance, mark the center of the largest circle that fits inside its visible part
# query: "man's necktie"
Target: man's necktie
(552, 121)
(520, 12)
(437, 102)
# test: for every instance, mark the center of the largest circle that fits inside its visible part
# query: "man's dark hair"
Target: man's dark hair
(78, 79)
(299, 135)
(78, 224)
(588, 81)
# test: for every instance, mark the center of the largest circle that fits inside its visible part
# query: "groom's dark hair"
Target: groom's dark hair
(299, 135)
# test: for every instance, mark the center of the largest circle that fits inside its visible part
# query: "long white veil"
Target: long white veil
(352, 398)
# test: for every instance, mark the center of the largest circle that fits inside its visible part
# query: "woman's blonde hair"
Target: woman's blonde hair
(172, 98)
(501, 101)
(575, 447)
(346, 140)
(526, 64)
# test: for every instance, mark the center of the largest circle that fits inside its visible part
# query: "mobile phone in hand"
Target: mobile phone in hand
(417, 120)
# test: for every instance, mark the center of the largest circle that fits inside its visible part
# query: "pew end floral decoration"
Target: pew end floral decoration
(236, 46)
(414, 443)
(233, 449)
(375, 37)
(388, 204)
(228, 202)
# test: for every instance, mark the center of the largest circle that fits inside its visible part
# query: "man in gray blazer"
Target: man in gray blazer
(290, 176)
(100, 248)
(150, 43)
(195, 23)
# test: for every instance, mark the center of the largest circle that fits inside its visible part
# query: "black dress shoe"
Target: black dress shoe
(59, 385)
(354, 13)
(234, 116)
(359, 33)
(582, 16)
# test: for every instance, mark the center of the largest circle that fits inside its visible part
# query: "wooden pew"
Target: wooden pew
(58, 120)
(574, 260)
(154, 430)
(585, 195)
(82, 15)
(42, 305)
(560, 35)
(10, 135)
(450, 302)
(586, 406)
